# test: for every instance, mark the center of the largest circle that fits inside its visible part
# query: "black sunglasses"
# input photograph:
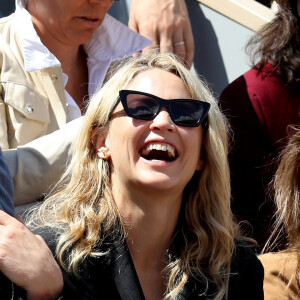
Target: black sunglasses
(183, 112)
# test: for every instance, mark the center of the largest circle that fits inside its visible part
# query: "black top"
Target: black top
(114, 277)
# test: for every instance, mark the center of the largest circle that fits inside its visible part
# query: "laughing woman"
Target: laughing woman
(143, 210)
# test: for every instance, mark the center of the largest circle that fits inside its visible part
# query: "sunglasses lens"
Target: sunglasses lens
(186, 113)
(183, 112)
(141, 106)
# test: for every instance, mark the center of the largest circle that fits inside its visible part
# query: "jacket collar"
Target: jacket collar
(119, 265)
(124, 274)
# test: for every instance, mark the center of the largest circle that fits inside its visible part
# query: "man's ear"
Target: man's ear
(101, 145)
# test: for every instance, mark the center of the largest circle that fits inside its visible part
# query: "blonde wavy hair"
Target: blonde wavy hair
(82, 208)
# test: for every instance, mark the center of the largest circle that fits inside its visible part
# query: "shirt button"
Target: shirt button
(29, 108)
(54, 78)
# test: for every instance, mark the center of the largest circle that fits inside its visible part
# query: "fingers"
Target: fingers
(166, 42)
(172, 38)
(132, 24)
(183, 43)
(180, 47)
(189, 45)
(166, 24)
(155, 43)
(6, 219)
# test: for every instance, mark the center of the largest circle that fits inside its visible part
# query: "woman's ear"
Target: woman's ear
(100, 143)
(199, 165)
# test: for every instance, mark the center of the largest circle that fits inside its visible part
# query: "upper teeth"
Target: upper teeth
(168, 148)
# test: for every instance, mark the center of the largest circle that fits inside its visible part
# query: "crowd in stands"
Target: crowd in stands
(135, 182)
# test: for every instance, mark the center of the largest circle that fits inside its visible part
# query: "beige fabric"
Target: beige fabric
(279, 268)
(33, 105)
(26, 111)
(36, 166)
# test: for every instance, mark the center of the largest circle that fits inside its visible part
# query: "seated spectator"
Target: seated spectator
(282, 268)
(260, 105)
(6, 188)
(143, 210)
(53, 57)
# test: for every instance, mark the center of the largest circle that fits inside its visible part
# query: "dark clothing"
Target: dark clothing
(6, 188)
(7, 290)
(260, 108)
(265, 2)
(113, 277)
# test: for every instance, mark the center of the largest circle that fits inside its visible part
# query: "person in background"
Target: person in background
(282, 280)
(166, 23)
(260, 105)
(143, 210)
(53, 57)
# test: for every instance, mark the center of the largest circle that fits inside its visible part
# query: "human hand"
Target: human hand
(166, 23)
(27, 261)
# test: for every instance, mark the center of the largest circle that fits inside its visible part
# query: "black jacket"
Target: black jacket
(113, 277)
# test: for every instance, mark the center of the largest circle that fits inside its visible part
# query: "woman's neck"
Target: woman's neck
(148, 214)
(150, 221)
(149, 231)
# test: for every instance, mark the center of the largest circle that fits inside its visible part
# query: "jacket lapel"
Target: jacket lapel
(124, 274)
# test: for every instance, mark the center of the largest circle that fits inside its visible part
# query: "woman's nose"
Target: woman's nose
(162, 121)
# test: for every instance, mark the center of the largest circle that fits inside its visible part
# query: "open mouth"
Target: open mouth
(90, 19)
(155, 151)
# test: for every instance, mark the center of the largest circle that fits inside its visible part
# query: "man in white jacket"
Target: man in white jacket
(53, 58)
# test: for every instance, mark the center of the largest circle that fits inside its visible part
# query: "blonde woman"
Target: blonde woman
(143, 209)
(282, 280)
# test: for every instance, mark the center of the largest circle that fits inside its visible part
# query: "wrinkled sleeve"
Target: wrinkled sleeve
(38, 165)
(3, 123)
